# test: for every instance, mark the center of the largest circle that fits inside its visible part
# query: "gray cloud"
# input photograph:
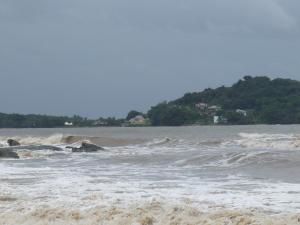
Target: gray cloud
(192, 15)
(106, 57)
(210, 15)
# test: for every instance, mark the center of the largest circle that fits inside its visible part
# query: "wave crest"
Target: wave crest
(263, 140)
(34, 140)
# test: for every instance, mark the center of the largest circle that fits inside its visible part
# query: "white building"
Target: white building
(240, 111)
(220, 120)
(216, 119)
(138, 120)
(68, 124)
(201, 105)
(215, 108)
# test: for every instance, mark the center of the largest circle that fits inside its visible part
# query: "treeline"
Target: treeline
(264, 101)
(37, 121)
(45, 121)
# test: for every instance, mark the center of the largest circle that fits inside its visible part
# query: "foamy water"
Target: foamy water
(189, 175)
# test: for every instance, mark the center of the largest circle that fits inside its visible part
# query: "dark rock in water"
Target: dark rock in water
(10, 152)
(12, 142)
(87, 147)
(45, 147)
(35, 148)
(7, 153)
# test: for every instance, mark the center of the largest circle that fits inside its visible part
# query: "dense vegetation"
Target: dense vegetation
(40, 121)
(171, 115)
(264, 100)
(44, 121)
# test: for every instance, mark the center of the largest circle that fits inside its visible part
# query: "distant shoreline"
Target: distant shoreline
(183, 126)
(249, 101)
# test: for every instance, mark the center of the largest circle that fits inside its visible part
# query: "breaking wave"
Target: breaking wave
(263, 140)
(33, 140)
(245, 140)
(61, 139)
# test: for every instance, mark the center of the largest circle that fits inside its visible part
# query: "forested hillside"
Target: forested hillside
(251, 100)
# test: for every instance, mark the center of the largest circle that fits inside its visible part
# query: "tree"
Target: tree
(165, 114)
(133, 114)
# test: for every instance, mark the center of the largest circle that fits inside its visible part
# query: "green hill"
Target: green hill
(252, 100)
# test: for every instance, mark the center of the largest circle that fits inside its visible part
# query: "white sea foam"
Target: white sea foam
(70, 181)
(34, 140)
(246, 179)
(141, 214)
(264, 140)
(96, 207)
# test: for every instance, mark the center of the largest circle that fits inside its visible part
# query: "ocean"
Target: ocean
(216, 175)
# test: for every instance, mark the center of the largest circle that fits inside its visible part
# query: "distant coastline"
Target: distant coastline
(251, 100)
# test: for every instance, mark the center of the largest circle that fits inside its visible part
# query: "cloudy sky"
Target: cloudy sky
(105, 57)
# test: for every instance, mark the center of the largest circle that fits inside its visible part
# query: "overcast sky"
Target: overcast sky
(105, 57)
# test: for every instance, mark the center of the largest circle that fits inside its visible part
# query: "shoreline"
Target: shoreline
(197, 125)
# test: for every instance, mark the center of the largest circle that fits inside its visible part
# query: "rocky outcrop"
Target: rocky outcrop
(11, 152)
(8, 153)
(12, 142)
(87, 147)
(42, 147)
(34, 148)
